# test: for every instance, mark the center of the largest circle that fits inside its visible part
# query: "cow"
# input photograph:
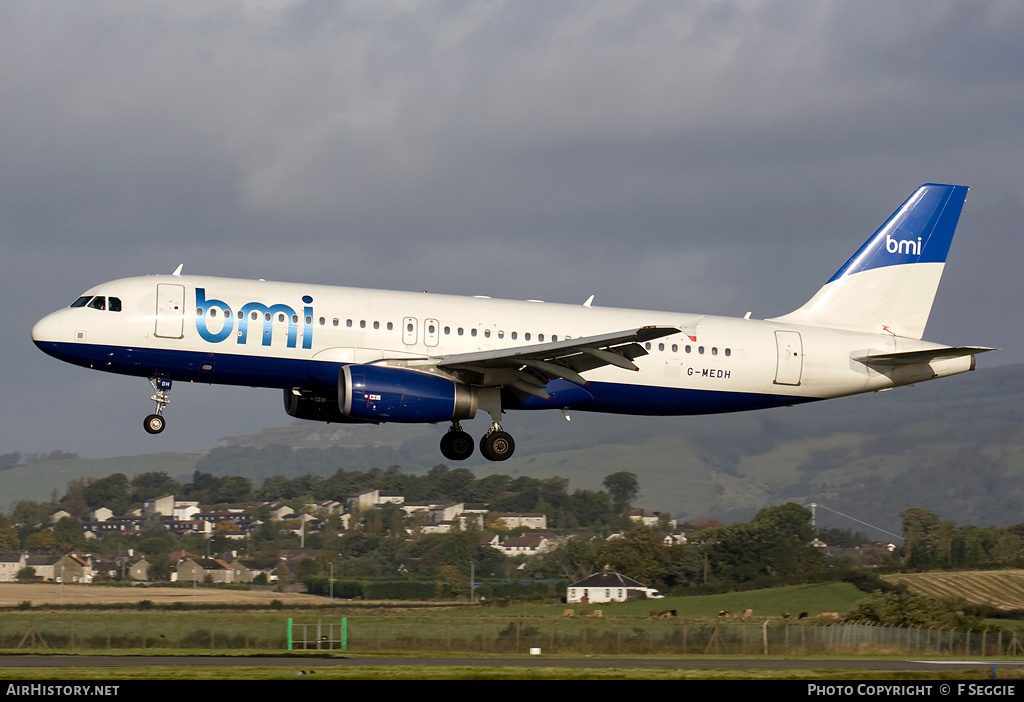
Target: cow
(597, 613)
(655, 613)
(828, 615)
(585, 613)
(666, 613)
(747, 614)
(726, 614)
(567, 613)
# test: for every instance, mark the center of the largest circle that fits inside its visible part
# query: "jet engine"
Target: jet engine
(316, 406)
(387, 394)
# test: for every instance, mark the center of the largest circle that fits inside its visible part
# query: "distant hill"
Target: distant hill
(954, 446)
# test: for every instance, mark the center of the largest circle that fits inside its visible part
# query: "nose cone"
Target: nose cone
(47, 331)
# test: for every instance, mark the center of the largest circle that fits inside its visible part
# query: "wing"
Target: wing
(530, 368)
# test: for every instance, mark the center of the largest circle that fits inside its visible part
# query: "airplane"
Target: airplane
(343, 354)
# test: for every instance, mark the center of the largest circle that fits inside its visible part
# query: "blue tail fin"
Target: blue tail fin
(889, 285)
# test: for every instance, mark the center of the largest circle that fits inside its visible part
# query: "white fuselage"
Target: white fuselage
(216, 330)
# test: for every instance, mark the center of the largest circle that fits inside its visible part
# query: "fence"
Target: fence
(373, 632)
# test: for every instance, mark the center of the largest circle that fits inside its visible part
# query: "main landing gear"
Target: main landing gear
(155, 423)
(495, 445)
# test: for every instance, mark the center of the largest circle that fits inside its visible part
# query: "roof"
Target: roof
(607, 579)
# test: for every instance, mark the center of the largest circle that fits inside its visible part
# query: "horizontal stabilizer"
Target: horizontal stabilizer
(906, 358)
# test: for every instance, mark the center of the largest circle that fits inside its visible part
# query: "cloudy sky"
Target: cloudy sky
(717, 157)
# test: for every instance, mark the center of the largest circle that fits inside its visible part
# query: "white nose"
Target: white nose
(47, 329)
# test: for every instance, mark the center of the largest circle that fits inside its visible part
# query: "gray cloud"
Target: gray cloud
(716, 157)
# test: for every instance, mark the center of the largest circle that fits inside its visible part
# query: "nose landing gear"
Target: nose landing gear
(155, 423)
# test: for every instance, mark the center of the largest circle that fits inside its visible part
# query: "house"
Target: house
(214, 570)
(371, 498)
(650, 518)
(527, 544)
(72, 568)
(139, 569)
(606, 586)
(43, 566)
(163, 505)
(524, 520)
(10, 564)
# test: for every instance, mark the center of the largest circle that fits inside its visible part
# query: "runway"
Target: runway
(62, 661)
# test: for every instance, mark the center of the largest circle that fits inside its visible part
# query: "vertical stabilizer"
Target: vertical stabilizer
(889, 285)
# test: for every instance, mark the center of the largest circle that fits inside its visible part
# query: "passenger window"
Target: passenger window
(728, 352)
(526, 336)
(336, 321)
(540, 337)
(376, 325)
(362, 324)
(472, 332)
(390, 326)
(487, 333)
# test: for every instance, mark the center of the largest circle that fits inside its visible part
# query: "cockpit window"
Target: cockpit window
(98, 302)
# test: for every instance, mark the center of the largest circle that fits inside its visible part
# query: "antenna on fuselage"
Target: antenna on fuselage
(589, 302)
(177, 271)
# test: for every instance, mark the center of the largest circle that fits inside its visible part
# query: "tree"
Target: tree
(68, 534)
(920, 536)
(640, 554)
(146, 486)
(112, 492)
(623, 488)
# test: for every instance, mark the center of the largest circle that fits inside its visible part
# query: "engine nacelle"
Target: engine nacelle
(386, 394)
(319, 407)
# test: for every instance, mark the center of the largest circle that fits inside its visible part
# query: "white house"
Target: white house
(602, 587)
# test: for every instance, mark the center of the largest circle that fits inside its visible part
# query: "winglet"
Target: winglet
(177, 271)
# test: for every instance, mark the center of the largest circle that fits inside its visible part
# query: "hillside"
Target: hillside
(955, 447)
(1000, 588)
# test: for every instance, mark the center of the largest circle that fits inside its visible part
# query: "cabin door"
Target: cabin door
(790, 358)
(170, 310)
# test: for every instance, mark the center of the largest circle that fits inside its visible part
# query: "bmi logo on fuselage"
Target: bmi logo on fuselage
(207, 310)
